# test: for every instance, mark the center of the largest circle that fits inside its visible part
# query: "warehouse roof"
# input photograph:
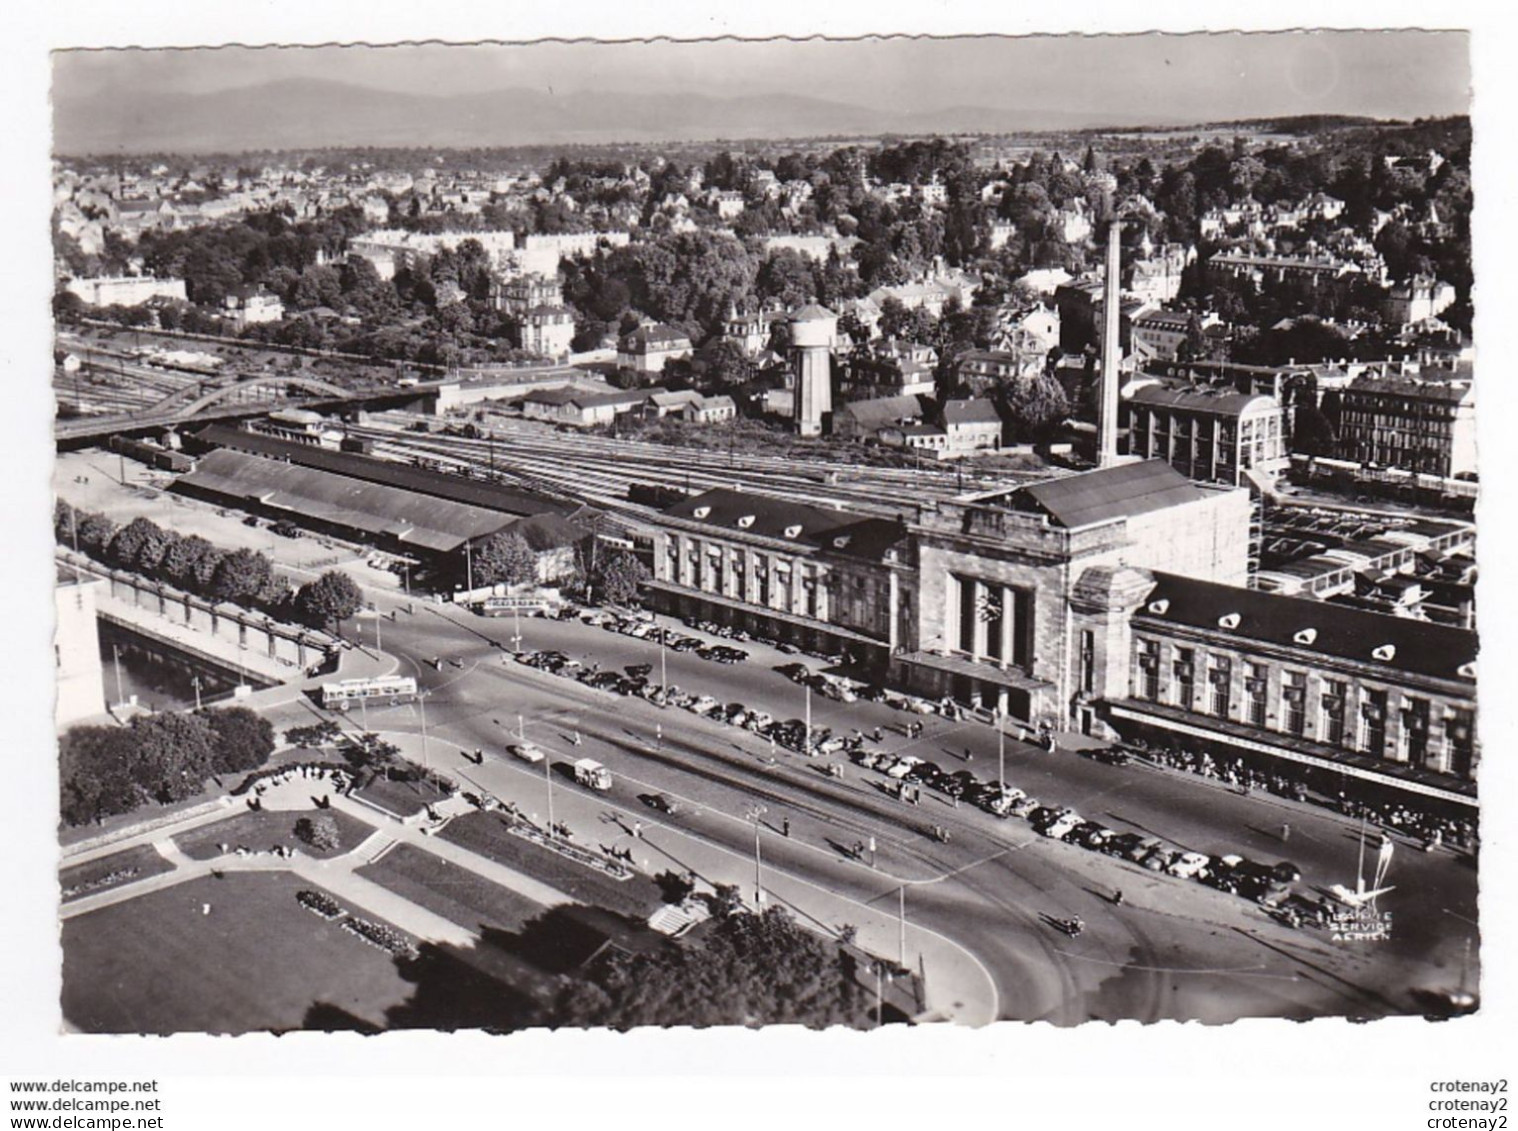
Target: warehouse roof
(972, 411)
(881, 411)
(1111, 492)
(490, 496)
(374, 509)
(1400, 643)
(1205, 400)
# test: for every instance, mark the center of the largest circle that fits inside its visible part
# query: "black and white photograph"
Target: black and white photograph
(879, 535)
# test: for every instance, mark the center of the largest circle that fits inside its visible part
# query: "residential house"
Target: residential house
(650, 347)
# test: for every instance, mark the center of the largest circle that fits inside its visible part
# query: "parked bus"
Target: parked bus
(389, 689)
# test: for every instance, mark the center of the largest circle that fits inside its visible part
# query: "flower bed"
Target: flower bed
(319, 902)
(378, 934)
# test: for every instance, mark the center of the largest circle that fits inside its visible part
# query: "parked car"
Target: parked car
(1122, 844)
(1188, 865)
(1286, 872)
(705, 705)
(1092, 835)
(1062, 824)
(927, 773)
(903, 766)
(1022, 807)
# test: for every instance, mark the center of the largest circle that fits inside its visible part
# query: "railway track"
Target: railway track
(601, 470)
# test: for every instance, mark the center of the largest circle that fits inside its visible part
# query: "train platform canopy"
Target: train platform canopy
(489, 496)
(371, 510)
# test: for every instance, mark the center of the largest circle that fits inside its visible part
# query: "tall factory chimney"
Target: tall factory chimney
(1112, 351)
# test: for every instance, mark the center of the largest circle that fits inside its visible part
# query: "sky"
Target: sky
(1176, 78)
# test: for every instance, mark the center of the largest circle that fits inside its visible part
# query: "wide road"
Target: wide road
(1173, 950)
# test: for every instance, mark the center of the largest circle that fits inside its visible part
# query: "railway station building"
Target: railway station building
(1388, 702)
(997, 573)
(822, 579)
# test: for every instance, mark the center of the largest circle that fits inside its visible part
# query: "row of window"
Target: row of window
(1365, 732)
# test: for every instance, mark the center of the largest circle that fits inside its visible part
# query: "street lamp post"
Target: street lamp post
(426, 748)
(902, 919)
(808, 689)
(1001, 753)
(548, 785)
(663, 671)
(195, 680)
(755, 813)
(521, 730)
(468, 569)
(516, 640)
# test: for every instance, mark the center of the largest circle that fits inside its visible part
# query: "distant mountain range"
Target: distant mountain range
(314, 113)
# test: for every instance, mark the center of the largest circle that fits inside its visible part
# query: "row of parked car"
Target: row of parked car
(645, 628)
(1232, 873)
(1227, 872)
(844, 690)
(727, 632)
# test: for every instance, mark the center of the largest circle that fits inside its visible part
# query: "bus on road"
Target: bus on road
(388, 689)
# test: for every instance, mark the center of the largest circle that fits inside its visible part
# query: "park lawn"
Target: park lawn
(446, 889)
(402, 798)
(86, 879)
(263, 829)
(258, 962)
(486, 833)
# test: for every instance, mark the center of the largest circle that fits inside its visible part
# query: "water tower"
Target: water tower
(814, 329)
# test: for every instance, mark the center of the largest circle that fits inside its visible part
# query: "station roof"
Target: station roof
(767, 516)
(1415, 647)
(1123, 491)
(489, 496)
(436, 525)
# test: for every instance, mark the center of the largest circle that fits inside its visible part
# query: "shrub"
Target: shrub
(320, 832)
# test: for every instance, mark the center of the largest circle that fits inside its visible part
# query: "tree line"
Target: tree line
(197, 566)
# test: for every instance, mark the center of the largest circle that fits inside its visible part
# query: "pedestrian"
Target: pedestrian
(785, 827)
(205, 908)
(1285, 833)
(638, 829)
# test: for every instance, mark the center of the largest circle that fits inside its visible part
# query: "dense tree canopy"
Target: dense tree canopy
(331, 598)
(752, 969)
(167, 757)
